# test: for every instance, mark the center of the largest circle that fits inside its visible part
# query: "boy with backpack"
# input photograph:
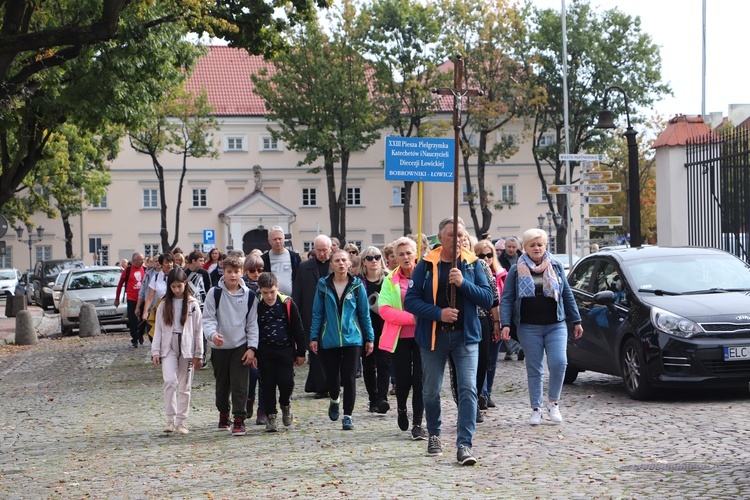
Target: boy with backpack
(281, 347)
(230, 324)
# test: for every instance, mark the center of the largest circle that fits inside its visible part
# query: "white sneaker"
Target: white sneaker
(554, 413)
(169, 428)
(536, 417)
(182, 429)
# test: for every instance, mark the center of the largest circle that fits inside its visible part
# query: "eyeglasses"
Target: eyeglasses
(353, 252)
(256, 270)
(370, 258)
(485, 255)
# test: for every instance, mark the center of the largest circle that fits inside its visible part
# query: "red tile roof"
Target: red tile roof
(225, 74)
(680, 130)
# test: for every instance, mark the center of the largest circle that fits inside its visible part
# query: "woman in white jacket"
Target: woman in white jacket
(177, 347)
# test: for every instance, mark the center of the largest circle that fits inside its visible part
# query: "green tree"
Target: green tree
(98, 62)
(604, 49)
(179, 125)
(490, 34)
(318, 98)
(401, 38)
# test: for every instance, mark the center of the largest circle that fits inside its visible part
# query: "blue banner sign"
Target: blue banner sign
(419, 159)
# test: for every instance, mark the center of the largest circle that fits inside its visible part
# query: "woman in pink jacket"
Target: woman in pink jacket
(177, 347)
(398, 337)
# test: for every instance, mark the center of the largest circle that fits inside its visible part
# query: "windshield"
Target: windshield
(54, 269)
(689, 273)
(7, 275)
(94, 279)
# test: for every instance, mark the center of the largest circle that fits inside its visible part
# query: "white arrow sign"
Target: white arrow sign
(604, 199)
(603, 221)
(563, 188)
(597, 176)
(580, 157)
(612, 187)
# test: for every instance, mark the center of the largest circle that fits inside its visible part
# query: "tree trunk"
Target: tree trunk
(159, 169)
(483, 198)
(68, 235)
(333, 212)
(342, 196)
(407, 207)
(179, 201)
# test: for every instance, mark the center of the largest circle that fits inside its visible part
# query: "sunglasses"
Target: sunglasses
(256, 270)
(485, 255)
(353, 252)
(370, 258)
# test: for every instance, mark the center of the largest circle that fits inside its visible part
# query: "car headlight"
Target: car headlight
(673, 324)
(72, 303)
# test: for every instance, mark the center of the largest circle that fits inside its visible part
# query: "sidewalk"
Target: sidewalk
(44, 324)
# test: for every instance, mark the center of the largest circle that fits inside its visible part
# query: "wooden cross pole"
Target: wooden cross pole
(458, 93)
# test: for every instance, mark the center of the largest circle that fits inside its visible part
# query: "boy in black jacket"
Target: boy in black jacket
(281, 347)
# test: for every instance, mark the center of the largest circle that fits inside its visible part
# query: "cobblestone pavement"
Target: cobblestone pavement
(83, 418)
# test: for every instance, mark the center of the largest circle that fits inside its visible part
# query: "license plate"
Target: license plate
(737, 353)
(106, 312)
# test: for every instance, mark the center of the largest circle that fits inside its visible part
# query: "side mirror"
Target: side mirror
(57, 288)
(605, 298)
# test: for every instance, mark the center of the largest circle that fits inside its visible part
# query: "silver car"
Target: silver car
(57, 289)
(92, 285)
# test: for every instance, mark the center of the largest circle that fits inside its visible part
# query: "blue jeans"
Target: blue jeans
(535, 340)
(433, 367)
(491, 368)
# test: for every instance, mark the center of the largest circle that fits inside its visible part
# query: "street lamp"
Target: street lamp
(31, 239)
(634, 186)
(550, 218)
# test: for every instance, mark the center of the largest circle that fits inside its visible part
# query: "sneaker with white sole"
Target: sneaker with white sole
(536, 416)
(169, 427)
(464, 456)
(434, 446)
(554, 413)
(182, 429)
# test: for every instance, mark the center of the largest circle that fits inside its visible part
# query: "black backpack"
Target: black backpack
(218, 294)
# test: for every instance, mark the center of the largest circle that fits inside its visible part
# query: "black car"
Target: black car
(44, 276)
(662, 317)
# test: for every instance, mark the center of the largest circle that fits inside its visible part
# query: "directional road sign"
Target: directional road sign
(563, 188)
(602, 199)
(580, 157)
(612, 187)
(597, 176)
(603, 221)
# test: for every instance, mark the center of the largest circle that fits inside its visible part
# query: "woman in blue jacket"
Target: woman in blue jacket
(340, 326)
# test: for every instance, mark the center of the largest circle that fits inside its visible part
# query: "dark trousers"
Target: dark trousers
(276, 366)
(137, 328)
(252, 384)
(484, 351)
(316, 375)
(376, 372)
(407, 365)
(231, 380)
(340, 365)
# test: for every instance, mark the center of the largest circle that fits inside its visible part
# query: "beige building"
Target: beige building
(223, 195)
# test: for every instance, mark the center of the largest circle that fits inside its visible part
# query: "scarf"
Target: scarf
(526, 266)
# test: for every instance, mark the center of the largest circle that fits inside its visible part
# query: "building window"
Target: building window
(358, 243)
(464, 193)
(546, 140)
(102, 253)
(544, 194)
(308, 246)
(508, 193)
(399, 196)
(269, 144)
(197, 247)
(150, 198)
(353, 197)
(309, 197)
(199, 198)
(150, 249)
(43, 252)
(101, 204)
(235, 144)
(6, 259)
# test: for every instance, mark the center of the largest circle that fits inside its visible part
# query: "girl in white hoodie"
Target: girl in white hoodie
(177, 347)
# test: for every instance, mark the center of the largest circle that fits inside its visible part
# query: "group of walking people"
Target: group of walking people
(429, 309)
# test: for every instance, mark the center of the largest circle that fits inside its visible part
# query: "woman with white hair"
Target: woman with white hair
(539, 301)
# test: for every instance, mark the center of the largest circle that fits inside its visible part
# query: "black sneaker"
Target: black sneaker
(480, 416)
(383, 407)
(465, 456)
(403, 420)
(490, 402)
(521, 355)
(482, 402)
(333, 410)
(373, 407)
(134, 343)
(434, 446)
(418, 434)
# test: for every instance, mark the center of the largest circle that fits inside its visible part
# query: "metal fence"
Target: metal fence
(718, 191)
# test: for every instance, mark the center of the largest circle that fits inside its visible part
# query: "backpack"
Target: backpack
(218, 294)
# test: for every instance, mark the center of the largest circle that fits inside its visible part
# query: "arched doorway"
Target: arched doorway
(257, 238)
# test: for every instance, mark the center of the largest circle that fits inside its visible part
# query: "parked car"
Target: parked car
(45, 274)
(92, 285)
(662, 317)
(8, 280)
(57, 288)
(25, 287)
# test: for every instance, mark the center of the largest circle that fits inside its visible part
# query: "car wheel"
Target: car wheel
(571, 374)
(633, 365)
(66, 330)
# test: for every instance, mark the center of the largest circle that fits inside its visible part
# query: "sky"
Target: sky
(676, 27)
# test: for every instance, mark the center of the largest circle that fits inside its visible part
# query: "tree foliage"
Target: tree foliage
(181, 125)
(318, 97)
(607, 48)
